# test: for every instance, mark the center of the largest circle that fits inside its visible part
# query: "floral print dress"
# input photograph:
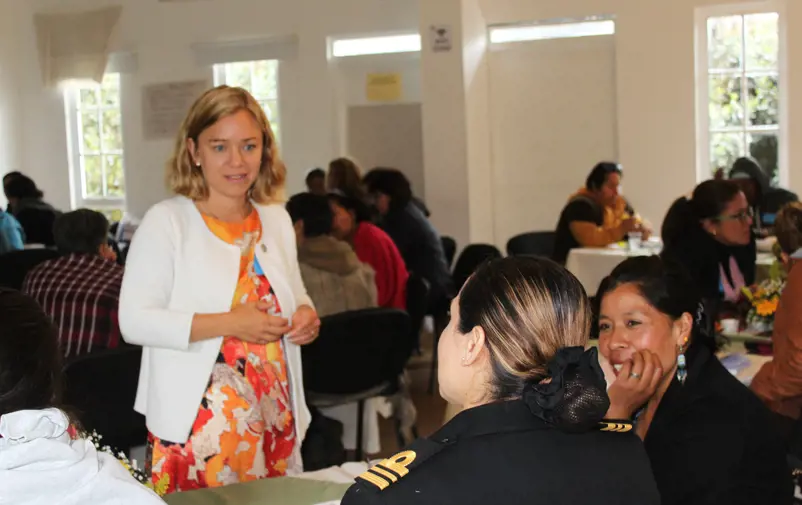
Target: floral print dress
(245, 429)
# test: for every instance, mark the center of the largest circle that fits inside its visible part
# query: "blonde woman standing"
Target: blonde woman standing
(213, 293)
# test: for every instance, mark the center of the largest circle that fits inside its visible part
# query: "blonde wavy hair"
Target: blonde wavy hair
(184, 178)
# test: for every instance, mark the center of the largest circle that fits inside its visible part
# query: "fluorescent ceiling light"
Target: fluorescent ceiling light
(505, 34)
(376, 45)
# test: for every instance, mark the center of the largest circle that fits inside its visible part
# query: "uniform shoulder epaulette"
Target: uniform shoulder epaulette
(616, 426)
(389, 471)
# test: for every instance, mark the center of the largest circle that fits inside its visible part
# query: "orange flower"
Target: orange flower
(766, 308)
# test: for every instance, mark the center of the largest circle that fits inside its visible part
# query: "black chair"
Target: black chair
(15, 265)
(101, 388)
(359, 355)
(470, 259)
(450, 248)
(417, 305)
(538, 243)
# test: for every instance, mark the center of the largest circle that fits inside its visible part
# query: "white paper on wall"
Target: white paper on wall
(164, 106)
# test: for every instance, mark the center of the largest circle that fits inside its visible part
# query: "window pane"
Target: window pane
(115, 179)
(764, 148)
(265, 79)
(239, 74)
(725, 148)
(726, 107)
(93, 176)
(763, 101)
(88, 98)
(762, 40)
(725, 42)
(90, 132)
(110, 96)
(112, 133)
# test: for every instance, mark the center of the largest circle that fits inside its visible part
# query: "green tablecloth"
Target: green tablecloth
(277, 491)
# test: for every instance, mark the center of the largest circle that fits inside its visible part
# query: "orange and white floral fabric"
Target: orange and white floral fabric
(244, 430)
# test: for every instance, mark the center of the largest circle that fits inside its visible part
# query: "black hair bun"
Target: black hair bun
(573, 398)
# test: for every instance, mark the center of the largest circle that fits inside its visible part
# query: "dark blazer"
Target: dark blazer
(501, 453)
(421, 248)
(711, 442)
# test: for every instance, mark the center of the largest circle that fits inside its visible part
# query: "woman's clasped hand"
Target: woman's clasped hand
(253, 323)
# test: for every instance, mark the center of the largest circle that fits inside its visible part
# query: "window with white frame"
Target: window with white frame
(548, 31)
(94, 123)
(743, 91)
(260, 78)
(386, 44)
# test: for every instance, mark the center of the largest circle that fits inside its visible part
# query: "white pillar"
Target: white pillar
(456, 133)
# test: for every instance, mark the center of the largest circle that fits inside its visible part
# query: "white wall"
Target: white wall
(162, 35)
(9, 99)
(350, 76)
(553, 117)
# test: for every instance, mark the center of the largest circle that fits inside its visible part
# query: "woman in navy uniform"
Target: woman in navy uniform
(532, 430)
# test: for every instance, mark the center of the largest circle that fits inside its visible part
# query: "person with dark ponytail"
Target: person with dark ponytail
(532, 429)
(710, 234)
(709, 439)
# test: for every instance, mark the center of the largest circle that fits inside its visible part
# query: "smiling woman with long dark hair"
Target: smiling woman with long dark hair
(709, 439)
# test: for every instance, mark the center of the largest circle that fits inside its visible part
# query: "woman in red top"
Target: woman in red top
(372, 246)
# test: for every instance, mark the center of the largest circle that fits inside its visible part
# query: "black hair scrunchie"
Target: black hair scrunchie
(575, 398)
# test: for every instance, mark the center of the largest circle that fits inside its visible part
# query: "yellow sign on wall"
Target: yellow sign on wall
(383, 87)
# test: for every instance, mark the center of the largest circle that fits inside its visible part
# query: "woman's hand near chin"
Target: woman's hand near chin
(634, 385)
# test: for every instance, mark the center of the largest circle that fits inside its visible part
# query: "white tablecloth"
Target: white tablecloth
(591, 265)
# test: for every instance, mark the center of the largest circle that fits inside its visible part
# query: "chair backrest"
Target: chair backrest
(470, 259)
(357, 351)
(101, 387)
(450, 248)
(417, 303)
(15, 265)
(538, 243)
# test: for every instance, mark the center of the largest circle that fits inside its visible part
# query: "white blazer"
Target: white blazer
(177, 267)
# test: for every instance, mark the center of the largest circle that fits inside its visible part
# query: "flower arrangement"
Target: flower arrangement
(763, 300)
(159, 488)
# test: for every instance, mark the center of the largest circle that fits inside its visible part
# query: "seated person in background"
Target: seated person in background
(333, 275)
(764, 199)
(372, 246)
(709, 439)
(779, 382)
(413, 234)
(80, 290)
(316, 181)
(34, 214)
(337, 282)
(12, 238)
(376, 172)
(42, 460)
(7, 178)
(597, 215)
(710, 235)
(530, 433)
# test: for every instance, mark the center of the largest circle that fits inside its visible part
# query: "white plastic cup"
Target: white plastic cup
(635, 240)
(730, 325)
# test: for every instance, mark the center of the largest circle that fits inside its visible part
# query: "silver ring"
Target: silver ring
(635, 375)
